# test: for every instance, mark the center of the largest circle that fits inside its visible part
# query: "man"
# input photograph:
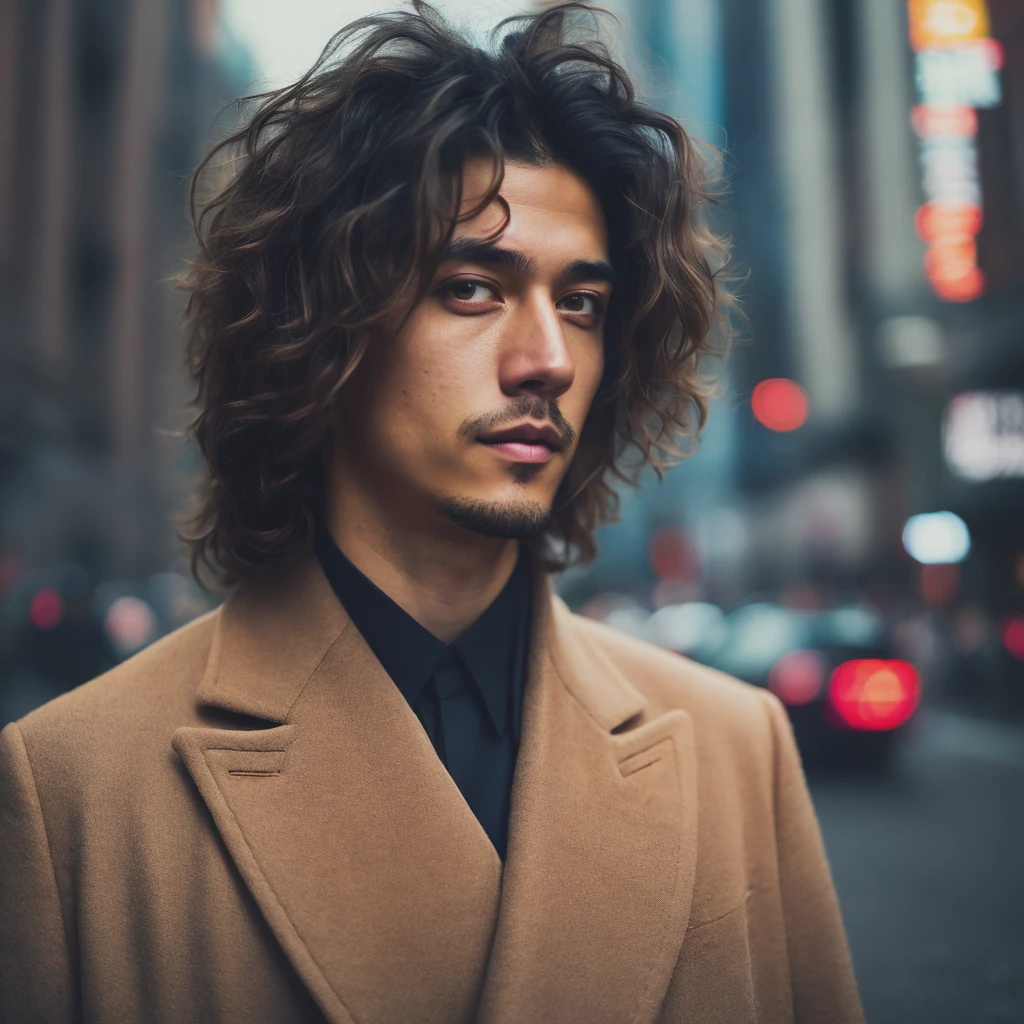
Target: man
(392, 778)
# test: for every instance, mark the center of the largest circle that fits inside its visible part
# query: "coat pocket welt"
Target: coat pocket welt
(713, 983)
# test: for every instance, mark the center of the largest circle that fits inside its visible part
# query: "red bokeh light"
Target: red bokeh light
(951, 258)
(46, 609)
(875, 695)
(797, 677)
(1012, 630)
(938, 222)
(958, 286)
(951, 261)
(779, 404)
(931, 122)
(671, 555)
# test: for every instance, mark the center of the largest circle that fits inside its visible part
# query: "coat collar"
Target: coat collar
(270, 637)
(373, 873)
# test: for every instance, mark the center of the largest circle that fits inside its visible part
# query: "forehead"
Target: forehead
(550, 208)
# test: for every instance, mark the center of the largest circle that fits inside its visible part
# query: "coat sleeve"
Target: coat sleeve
(824, 988)
(35, 975)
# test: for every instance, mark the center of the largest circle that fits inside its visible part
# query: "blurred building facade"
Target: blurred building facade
(104, 107)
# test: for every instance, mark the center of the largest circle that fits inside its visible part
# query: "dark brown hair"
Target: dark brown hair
(342, 192)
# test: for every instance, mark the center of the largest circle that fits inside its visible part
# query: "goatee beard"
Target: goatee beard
(508, 520)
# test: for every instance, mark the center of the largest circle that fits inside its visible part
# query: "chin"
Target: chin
(516, 518)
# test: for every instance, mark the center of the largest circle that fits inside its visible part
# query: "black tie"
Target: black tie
(462, 734)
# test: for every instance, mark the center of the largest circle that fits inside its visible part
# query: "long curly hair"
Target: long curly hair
(322, 219)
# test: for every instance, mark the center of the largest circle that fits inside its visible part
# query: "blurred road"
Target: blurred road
(929, 866)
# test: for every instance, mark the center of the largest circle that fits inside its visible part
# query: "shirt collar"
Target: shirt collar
(493, 648)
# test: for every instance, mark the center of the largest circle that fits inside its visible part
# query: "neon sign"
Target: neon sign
(956, 67)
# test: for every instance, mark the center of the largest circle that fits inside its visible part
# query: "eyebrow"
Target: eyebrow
(474, 250)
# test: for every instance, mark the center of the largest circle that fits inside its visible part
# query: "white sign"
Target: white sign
(950, 171)
(959, 76)
(983, 435)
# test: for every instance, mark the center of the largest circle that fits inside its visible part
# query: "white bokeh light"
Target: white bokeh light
(937, 538)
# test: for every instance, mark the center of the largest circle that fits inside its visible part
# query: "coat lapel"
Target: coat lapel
(374, 875)
(600, 870)
(377, 880)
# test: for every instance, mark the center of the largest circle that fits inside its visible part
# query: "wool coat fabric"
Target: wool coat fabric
(246, 822)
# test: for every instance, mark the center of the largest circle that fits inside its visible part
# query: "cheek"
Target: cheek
(426, 386)
(386, 401)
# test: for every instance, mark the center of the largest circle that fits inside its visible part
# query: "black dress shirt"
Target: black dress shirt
(468, 695)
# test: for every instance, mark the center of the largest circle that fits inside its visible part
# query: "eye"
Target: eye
(469, 291)
(588, 305)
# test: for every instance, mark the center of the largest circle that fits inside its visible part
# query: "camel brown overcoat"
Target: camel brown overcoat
(246, 822)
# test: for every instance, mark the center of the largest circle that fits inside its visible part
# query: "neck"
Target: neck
(442, 575)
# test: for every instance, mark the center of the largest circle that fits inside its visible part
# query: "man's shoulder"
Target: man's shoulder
(671, 681)
(154, 688)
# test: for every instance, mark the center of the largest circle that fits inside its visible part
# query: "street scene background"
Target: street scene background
(849, 531)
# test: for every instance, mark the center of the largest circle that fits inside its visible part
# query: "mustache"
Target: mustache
(524, 407)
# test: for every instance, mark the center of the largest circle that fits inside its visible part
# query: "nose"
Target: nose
(536, 359)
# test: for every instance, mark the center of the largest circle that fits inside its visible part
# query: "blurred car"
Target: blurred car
(850, 701)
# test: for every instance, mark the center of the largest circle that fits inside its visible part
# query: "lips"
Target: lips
(525, 443)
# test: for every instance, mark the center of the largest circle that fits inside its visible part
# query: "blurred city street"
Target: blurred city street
(927, 866)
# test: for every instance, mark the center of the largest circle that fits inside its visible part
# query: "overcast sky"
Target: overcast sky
(286, 36)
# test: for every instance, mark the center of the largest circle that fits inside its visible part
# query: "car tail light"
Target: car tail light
(797, 677)
(875, 694)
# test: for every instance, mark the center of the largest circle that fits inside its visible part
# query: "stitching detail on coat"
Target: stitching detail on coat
(245, 750)
(639, 765)
(721, 917)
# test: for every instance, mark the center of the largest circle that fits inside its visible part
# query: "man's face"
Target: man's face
(474, 409)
